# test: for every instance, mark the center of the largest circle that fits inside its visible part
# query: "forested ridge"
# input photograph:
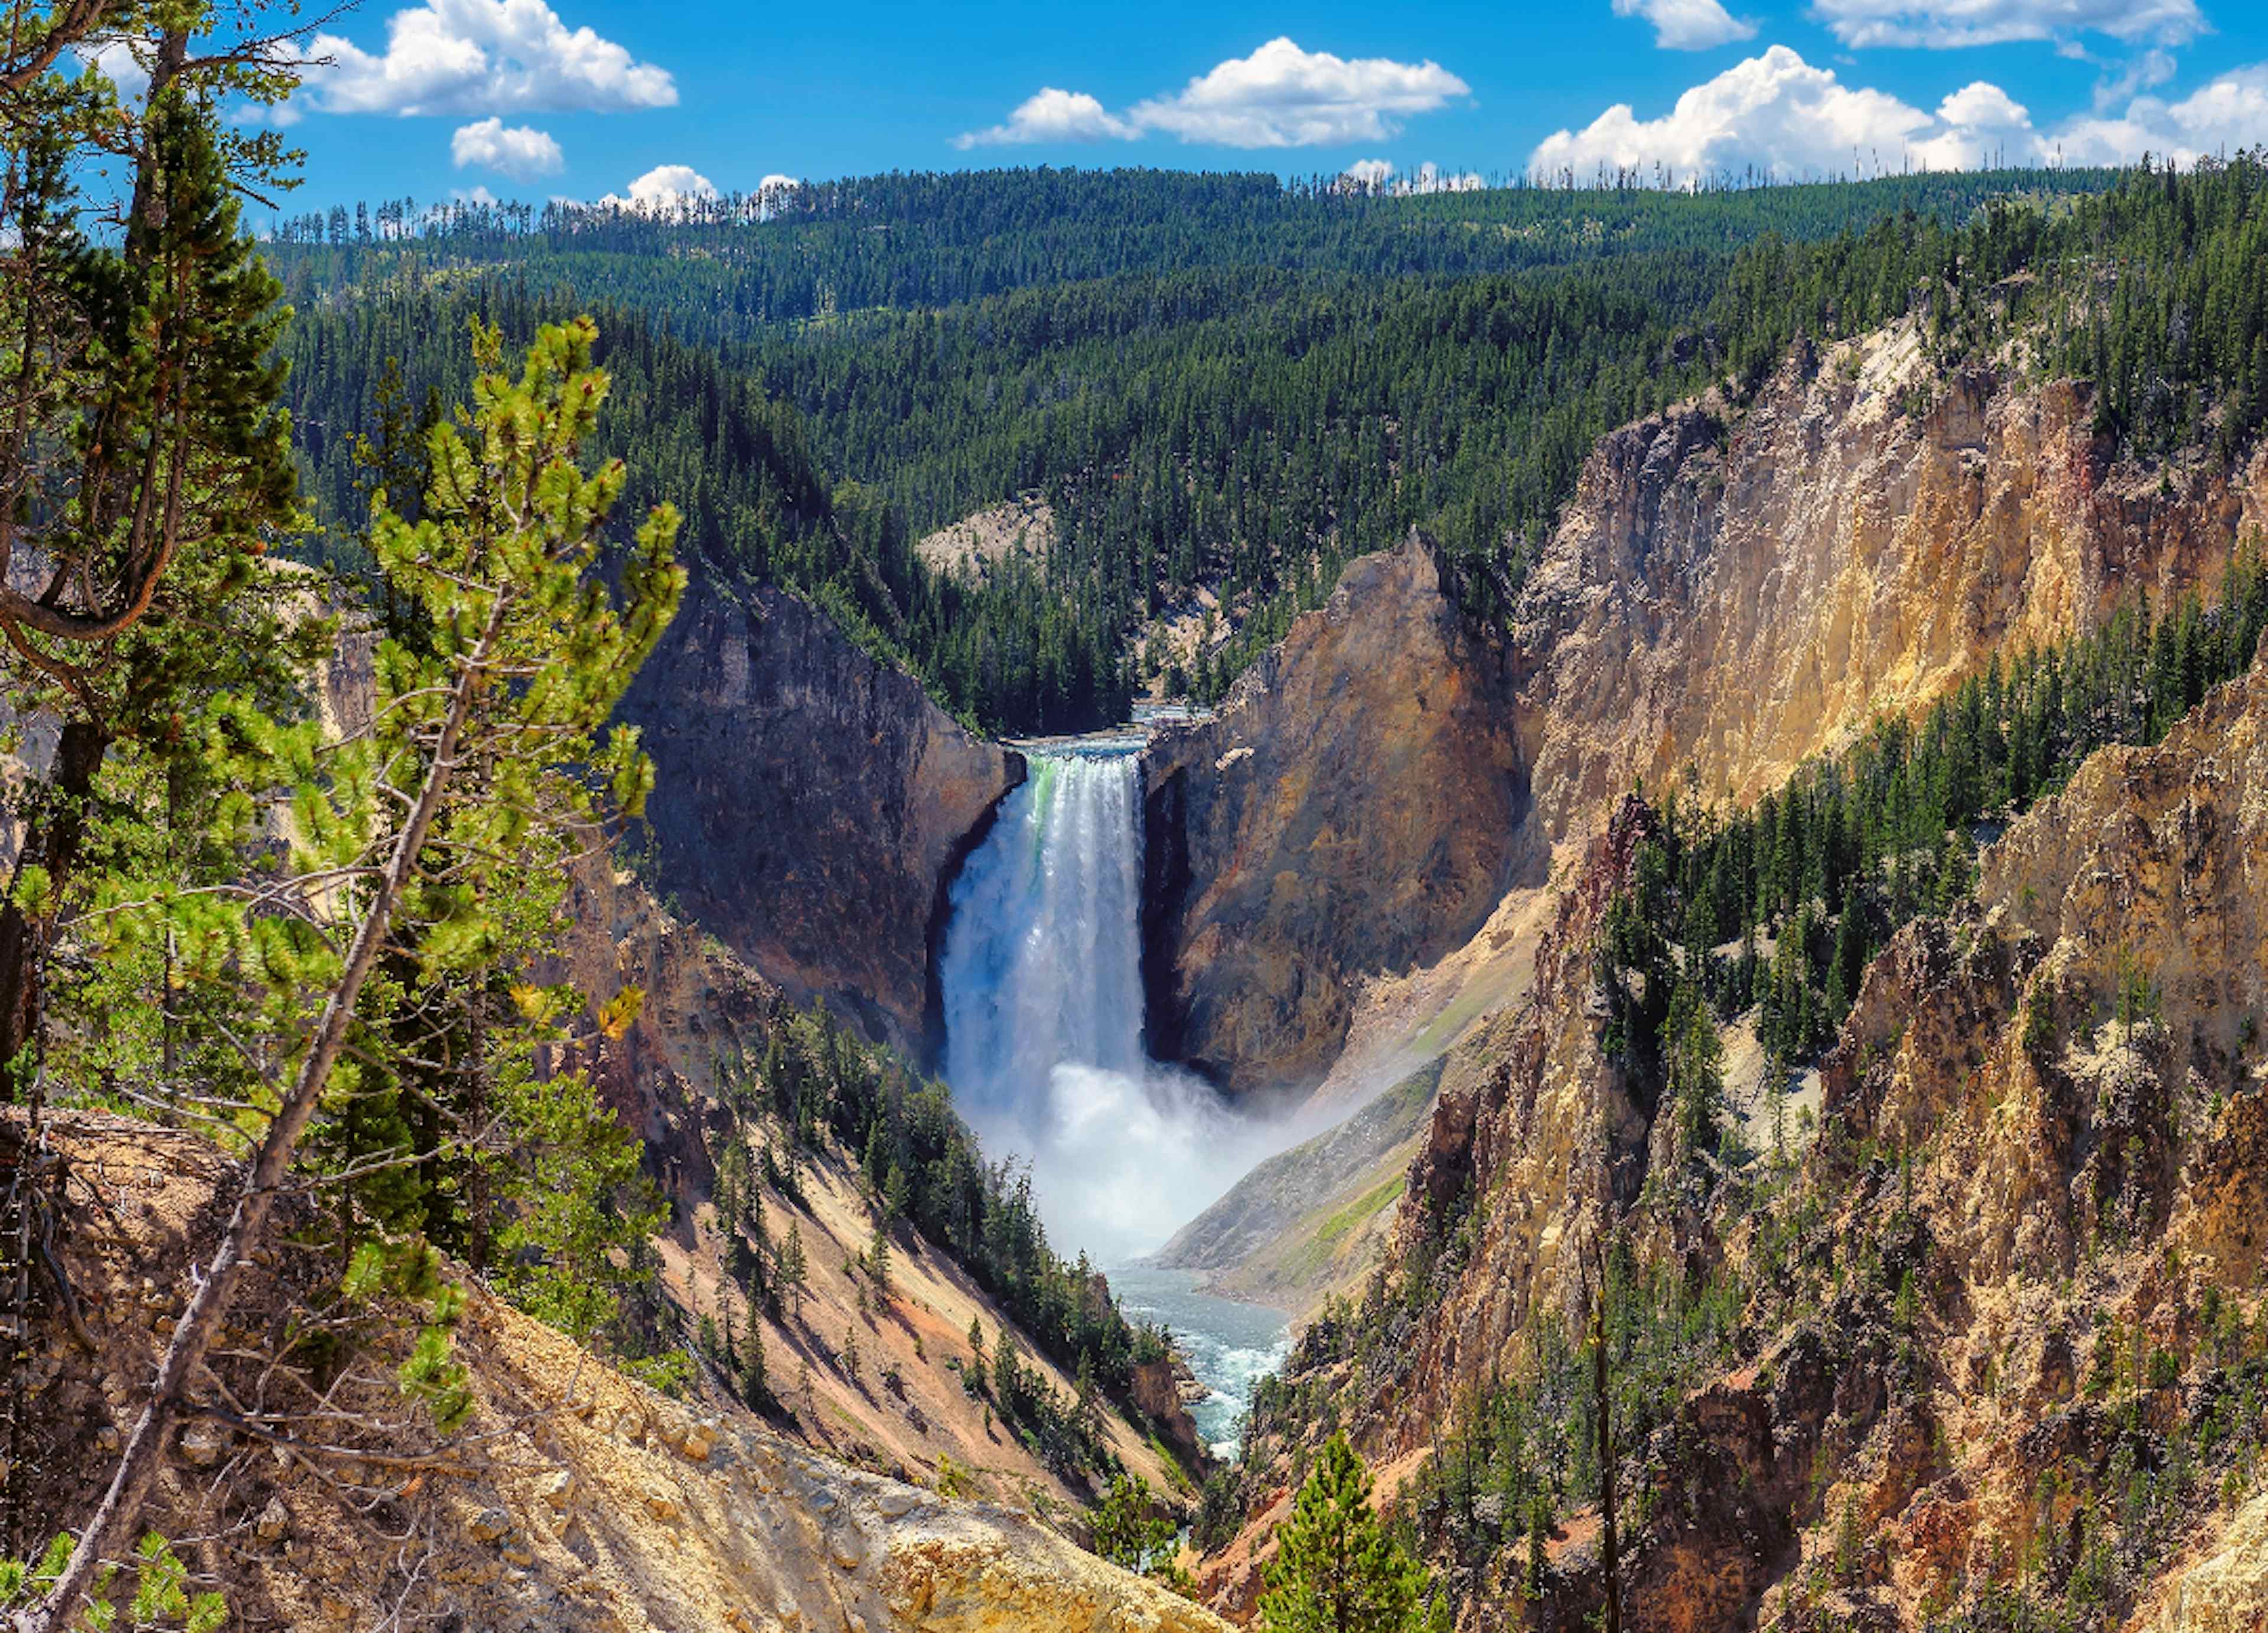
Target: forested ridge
(728, 265)
(1203, 407)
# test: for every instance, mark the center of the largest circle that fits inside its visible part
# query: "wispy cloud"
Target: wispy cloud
(1946, 24)
(1688, 25)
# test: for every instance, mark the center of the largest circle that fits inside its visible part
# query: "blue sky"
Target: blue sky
(581, 99)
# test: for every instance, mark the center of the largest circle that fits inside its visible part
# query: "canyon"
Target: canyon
(1371, 888)
(1373, 883)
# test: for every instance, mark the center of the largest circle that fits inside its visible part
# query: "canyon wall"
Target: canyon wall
(2043, 1153)
(1353, 809)
(580, 1501)
(1727, 593)
(673, 1077)
(809, 802)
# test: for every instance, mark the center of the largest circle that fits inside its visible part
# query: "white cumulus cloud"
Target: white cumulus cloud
(661, 188)
(1052, 115)
(520, 151)
(1785, 118)
(1688, 25)
(1775, 112)
(476, 57)
(1984, 105)
(117, 63)
(1950, 23)
(1430, 178)
(1280, 96)
(1379, 175)
(2228, 113)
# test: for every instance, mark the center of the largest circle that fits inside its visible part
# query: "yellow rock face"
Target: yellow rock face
(1731, 593)
(2227, 1590)
(592, 1503)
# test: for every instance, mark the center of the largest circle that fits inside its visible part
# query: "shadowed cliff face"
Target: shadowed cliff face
(1353, 810)
(809, 802)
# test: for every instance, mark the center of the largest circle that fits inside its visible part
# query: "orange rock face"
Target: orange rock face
(1354, 809)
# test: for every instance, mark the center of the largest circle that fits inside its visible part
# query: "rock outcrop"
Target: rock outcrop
(583, 1501)
(1353, 810)
(809, 802)
(1532, 1126)
(2226, 1592)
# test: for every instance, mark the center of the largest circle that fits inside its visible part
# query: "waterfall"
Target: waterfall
(1042, 980)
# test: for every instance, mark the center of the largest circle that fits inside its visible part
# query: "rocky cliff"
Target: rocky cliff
(1351, 811)
(2042, 1151)
(2002, 1331)
(1729, 591)
(809, 802)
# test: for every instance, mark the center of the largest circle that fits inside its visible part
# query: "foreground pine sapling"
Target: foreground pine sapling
(483, 740)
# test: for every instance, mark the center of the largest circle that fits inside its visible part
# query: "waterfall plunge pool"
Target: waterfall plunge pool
(1041, 982)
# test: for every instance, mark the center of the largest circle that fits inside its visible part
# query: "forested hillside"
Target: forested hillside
(1218, 382)
(1221, 383)
(727, 267)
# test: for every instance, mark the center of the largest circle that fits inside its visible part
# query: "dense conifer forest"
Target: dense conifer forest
(1227, 384)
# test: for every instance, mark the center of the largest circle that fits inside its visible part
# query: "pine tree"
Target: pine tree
(1336, 1569)
(143, 384)
(756, 1378)
(878, 1259)
(478, 749)
(793, 1267)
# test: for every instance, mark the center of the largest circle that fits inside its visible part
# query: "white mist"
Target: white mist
(1041, 979)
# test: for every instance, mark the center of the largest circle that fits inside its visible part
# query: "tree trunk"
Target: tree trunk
(52, 840)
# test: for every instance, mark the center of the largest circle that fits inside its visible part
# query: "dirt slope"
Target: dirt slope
(573, 1498)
